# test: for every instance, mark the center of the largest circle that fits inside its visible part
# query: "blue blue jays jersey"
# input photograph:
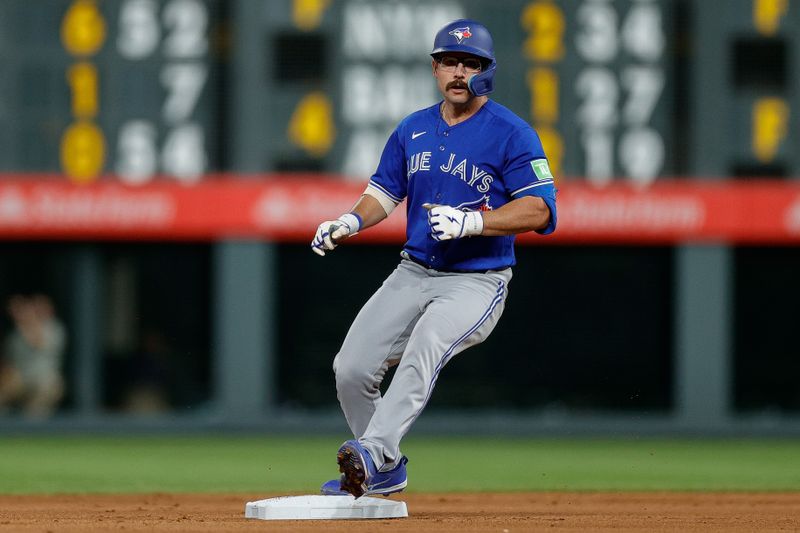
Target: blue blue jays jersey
(482, 163)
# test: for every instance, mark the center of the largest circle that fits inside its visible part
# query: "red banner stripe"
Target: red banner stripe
(289, 208)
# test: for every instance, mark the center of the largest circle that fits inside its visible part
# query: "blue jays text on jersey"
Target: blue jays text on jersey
(482, 163)
(421, 161)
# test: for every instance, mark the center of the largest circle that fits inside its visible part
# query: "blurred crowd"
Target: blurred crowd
(31, 374)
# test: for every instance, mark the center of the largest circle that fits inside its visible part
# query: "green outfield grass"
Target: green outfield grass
(292, 465)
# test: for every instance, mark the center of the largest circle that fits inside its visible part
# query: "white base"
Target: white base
(324, 508)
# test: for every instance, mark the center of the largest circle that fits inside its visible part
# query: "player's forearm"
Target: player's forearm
(370, 211)
(518, 216)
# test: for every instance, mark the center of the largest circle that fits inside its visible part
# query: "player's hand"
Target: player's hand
(450, 223)
(331, 232)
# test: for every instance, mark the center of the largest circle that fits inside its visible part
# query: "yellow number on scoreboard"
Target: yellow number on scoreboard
(82, 78)
(311, 126)
(307, 14)
(83, 150)
(83, 30)
(770, 127)
(544, 21)
(767, 15)
(543, 86)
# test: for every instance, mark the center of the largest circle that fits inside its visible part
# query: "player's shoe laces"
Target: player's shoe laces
(360, 477)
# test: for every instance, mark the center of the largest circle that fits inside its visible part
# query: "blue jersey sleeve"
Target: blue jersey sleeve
(390, 177)
(527, 173)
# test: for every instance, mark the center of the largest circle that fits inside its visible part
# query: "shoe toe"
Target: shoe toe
(333, 488)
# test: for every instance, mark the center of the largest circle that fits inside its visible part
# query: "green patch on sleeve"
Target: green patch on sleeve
(541, 169)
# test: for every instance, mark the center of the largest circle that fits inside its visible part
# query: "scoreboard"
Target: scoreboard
(619, 90)
(97, 87)
(597, 78)
(746, 93)
(593, 76)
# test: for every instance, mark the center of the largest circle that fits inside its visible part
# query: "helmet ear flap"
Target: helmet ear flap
(483, 83)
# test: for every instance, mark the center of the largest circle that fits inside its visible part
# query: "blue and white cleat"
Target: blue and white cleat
(360, 477)
(383, 484)
(333, 488)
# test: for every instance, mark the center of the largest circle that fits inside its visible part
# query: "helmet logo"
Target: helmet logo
(461, 33)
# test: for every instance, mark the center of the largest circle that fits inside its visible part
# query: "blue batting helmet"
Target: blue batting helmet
(471, 37)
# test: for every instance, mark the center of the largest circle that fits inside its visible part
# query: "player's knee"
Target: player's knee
(347, 375)
(350, 373)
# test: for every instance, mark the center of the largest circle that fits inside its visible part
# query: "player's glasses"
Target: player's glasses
(450, 63)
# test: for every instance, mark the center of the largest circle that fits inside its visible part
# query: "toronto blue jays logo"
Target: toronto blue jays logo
(481, 204)
(461, 33)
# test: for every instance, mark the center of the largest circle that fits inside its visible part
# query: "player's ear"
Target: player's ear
(433, 67)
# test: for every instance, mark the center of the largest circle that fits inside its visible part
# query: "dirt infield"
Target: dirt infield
(501, 513)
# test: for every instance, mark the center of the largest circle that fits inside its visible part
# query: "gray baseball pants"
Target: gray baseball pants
(418, 319)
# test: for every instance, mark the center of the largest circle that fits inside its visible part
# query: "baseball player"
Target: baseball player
(473, 175)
